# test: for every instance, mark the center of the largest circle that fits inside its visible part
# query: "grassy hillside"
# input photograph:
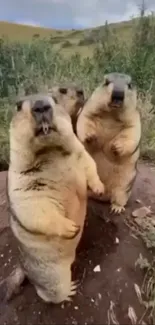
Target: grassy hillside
(70, 41)
(31, 64)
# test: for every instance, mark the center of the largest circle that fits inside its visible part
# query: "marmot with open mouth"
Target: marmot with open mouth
(109, 126)
(48, 176)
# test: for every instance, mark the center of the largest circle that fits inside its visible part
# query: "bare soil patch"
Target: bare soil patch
(106, 243)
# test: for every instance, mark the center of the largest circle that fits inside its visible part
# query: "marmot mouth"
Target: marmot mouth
(41, 131)
(116, 104)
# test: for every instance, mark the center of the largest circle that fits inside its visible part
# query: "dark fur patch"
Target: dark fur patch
(43, 151)
(60, 149)
(33, 170)
(95, 115)
(36, 185)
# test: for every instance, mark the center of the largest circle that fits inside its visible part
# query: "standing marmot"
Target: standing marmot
(71, 98)
(47, 189)
(110, 128)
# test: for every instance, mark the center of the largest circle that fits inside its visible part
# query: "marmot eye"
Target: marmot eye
(19, 105)
(41, 108)
(63, 91)
(107, 82)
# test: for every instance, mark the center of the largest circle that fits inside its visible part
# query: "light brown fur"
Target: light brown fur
(71, 98)
(47, 189)
(112, 136)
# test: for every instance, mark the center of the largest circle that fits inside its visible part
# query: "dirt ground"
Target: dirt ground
(107, 243)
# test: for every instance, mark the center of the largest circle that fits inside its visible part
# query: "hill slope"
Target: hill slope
(69, 40)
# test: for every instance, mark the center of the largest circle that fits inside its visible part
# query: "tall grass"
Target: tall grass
(31, 67)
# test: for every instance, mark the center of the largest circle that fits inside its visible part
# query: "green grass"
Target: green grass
(32, 59)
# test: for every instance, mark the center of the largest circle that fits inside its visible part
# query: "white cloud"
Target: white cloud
(113, 11)
(70, 13)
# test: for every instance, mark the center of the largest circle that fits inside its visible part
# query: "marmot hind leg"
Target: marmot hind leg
(119, 199)
(59, 292)
(93, 180)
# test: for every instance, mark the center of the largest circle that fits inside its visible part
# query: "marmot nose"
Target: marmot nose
(41, 106)
(117, 95)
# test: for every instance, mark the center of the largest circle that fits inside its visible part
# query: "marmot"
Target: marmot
(48, 176)
(71, 98)
(109, 126)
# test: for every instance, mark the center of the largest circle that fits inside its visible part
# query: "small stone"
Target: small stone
(2, 255)
(76, 307)
(141, 212)
(117, 240)
(138, 201)
(132, 315)
(97, 268)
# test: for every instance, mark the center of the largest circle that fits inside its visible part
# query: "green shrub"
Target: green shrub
(86, 41)
(31, 67)
(66, 44)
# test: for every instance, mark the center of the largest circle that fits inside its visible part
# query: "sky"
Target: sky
(69, 14)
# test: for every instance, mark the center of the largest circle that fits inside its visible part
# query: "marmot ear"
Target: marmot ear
(19, 104)
(63, 91)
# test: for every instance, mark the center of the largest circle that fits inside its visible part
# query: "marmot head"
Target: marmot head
(116, 94)
(71, 98)
(39, 117)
